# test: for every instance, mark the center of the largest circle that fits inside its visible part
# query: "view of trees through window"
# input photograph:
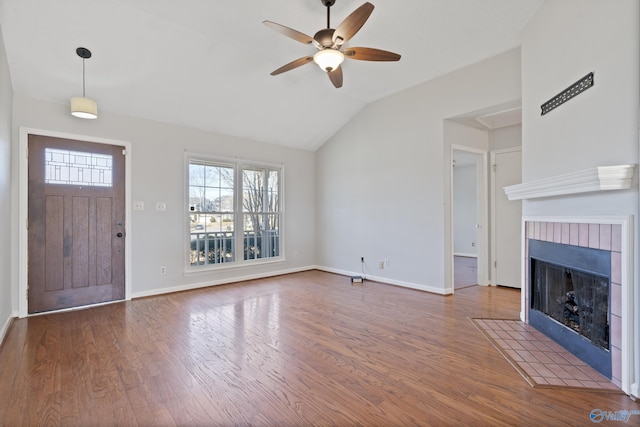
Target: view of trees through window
(234, 212)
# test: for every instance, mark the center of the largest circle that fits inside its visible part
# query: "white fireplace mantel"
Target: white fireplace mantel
(600, 178)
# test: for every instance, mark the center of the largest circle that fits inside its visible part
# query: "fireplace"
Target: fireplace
(569, 299)
(603, 253)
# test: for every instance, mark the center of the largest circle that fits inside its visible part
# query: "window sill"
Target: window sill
(192, 271)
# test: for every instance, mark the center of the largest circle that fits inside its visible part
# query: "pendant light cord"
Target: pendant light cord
(83, 78)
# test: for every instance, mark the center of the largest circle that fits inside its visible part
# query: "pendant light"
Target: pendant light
(82, 107)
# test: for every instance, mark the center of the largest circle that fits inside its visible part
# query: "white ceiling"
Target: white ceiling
(205, 64)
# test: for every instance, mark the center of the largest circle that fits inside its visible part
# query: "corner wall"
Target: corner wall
(383, 181)
(6, 101)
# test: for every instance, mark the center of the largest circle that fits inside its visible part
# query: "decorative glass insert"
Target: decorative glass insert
(77, 168)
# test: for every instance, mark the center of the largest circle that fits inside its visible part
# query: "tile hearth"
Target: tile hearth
(541, 361)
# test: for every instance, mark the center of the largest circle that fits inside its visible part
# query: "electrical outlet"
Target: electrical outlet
(386, 263)
(381, 264)
(138, 206)
(296, 254)
(163, 270)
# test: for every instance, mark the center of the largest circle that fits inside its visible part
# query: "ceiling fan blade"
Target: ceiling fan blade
(336, 77)
(351, 24)
(289, 32)
(370, 54)
(293, 64)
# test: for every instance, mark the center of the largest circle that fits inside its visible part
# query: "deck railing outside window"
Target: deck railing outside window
(218, 247)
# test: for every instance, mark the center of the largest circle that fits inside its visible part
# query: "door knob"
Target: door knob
(119, 235)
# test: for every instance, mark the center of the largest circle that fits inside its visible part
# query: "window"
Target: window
(261, 213)
(234, 212)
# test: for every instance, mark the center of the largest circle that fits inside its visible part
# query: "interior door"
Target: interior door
(507, 170)
(76, 234)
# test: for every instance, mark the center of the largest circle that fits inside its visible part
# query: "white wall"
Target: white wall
(506, 137)
(158, 174)
(563, 42)
(383, 180)
(6, 98)
(598, 127)
(464, 209)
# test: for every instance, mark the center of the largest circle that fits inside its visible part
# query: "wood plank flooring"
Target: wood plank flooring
(465, 272)
(302, 349)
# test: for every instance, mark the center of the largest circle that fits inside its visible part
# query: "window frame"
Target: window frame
(239, 166)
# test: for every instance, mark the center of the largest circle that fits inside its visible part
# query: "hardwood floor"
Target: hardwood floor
(465, 272)
(302, 349)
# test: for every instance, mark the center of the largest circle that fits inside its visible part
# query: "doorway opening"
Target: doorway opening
(468, 200)
(494, 130)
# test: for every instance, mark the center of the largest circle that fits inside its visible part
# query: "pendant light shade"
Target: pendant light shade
(83, 107)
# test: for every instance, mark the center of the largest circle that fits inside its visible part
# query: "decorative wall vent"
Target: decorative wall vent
(575, 89)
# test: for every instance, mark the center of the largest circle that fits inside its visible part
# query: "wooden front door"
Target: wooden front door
(76, 223)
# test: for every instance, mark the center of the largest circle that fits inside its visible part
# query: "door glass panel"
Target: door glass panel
(77, 168)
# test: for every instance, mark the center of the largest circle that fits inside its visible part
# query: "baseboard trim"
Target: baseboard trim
(387, 281)
(465, 255)
(227, 281)
(5, 327)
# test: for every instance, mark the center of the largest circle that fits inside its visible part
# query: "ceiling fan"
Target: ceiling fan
(331, 44)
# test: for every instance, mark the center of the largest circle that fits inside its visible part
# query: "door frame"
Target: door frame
(23, 189)
(482, 220)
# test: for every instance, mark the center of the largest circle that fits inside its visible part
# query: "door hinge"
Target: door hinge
(27, 152)
(495, 263)
(495, 167)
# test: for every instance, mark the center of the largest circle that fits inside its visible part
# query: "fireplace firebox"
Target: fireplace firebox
(569, 299)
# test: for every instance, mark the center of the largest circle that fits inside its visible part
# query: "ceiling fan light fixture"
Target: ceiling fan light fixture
(329, 41)
(81, 106)
(84, 108)
(328, 59)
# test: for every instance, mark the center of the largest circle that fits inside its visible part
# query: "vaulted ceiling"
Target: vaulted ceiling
(205, 64)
